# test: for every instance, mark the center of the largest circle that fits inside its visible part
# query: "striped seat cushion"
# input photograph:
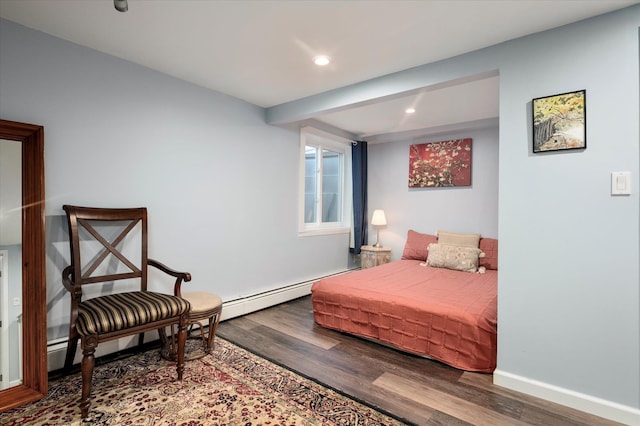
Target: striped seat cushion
(115, 312)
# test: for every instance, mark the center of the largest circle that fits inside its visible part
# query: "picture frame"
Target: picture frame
(440, 164)
(560, 122)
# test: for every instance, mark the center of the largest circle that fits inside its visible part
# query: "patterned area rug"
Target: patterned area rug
(229, 387)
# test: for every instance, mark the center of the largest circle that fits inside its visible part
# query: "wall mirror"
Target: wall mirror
(27, 244)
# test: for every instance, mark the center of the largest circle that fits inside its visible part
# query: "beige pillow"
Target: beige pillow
(454, 257)
(455, 239)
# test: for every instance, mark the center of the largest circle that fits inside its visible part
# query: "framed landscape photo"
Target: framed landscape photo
(559, 122)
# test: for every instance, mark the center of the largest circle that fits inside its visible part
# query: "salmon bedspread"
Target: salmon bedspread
(447, 315)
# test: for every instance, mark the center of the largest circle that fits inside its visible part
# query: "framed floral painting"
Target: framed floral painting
(440, 164)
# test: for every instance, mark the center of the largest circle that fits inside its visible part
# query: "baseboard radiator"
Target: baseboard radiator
(230, 309)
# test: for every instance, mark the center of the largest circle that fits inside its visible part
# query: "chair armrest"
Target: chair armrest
(180, 276)
(66, 278)
(76, 292)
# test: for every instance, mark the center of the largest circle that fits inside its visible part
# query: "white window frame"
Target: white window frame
(310, 136)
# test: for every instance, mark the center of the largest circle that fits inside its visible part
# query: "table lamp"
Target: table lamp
(378, 221)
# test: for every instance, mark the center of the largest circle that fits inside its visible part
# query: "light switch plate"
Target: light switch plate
(620, 183)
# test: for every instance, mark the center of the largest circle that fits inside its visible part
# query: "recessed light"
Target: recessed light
(410, 110)
(321, 60)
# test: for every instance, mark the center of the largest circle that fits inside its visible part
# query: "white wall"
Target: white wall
(461, 209)
(219, 183)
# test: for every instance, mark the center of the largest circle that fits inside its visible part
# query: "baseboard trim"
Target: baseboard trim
(246, 305)
(57, 350)
(583, 402)
(256, 302)
(230, 309)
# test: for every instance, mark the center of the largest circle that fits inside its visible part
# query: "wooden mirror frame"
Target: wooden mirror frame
(34, 286)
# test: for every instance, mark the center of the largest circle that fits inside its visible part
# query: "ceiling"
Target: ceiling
(261, 51)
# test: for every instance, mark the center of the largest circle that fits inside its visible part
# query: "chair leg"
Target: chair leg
(182, 338)
(88, 362)
(213, 328)
(164, 342)
(168, 345)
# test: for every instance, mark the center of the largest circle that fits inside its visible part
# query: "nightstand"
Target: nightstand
(371, 256)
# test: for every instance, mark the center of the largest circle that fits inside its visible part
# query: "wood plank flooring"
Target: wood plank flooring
(418, 390)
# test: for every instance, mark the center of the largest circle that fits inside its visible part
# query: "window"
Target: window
(325, 188)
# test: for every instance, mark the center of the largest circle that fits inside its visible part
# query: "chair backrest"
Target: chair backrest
(107, 245)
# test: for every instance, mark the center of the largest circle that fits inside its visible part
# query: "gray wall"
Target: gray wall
(568, 302)
(568, 286)
(462, 209)
(220, 184)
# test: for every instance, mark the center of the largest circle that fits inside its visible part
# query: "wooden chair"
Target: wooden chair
(109, 254)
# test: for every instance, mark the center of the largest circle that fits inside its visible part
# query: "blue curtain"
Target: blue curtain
(359, 172)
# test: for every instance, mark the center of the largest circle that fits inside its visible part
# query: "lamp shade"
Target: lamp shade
(378, 218)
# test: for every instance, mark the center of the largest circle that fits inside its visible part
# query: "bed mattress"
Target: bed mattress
(448, 315)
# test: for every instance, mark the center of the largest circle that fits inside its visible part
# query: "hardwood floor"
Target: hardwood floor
(413, 388)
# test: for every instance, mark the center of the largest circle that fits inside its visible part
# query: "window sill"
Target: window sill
(323, 231)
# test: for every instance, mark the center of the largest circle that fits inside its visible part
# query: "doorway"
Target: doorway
(4, 319)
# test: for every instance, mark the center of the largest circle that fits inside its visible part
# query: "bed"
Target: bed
(439, 312)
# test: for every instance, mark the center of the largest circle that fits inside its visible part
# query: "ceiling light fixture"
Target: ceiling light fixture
(410, 110)
(321, 60)
(121, 5)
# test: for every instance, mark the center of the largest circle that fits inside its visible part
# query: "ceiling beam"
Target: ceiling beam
(472, 66)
